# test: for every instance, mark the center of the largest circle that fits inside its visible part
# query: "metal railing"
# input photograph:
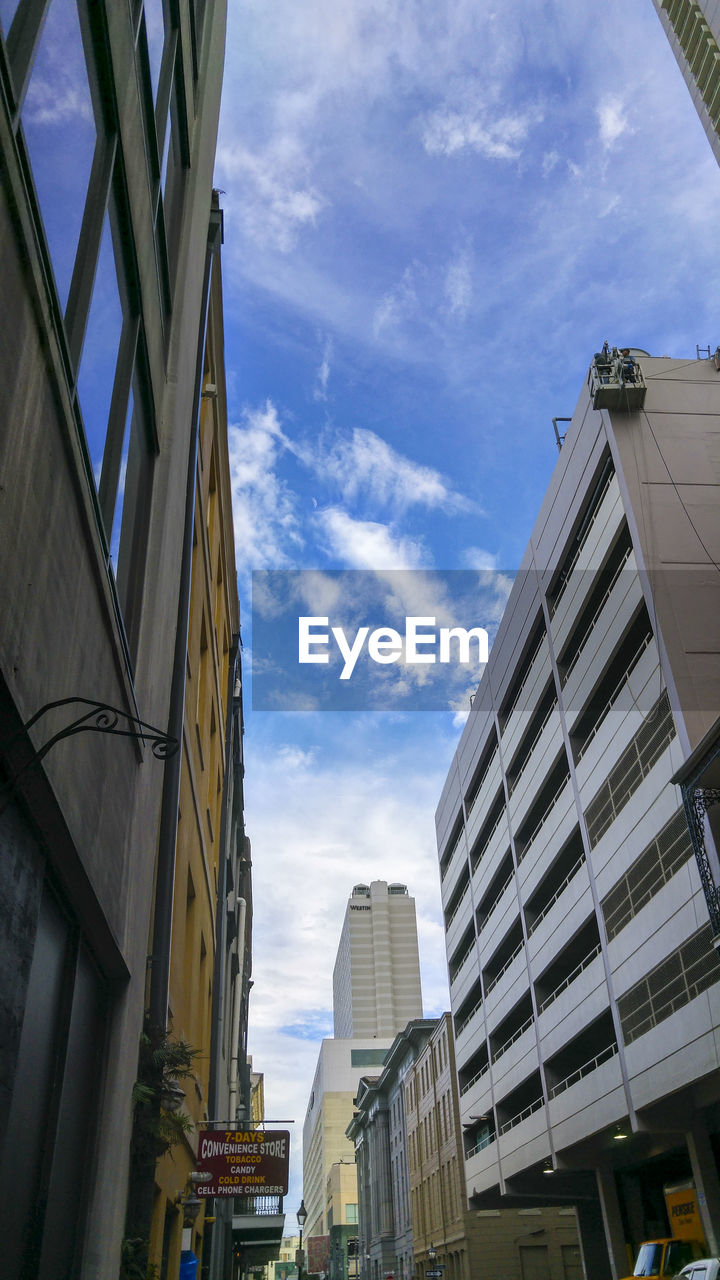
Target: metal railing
(615, 694)
(496, 978)
(537, 828)
(515, 1036)
(592, 955)
(486, 843)
(592, 624)
(558, 892)
(482, 922)
(531, 748)
(481, 781)
(462, 1025)
(446, 862)
(591, 1065)
(484, 1142)
(478, 1076)
(529, 1110)
(525, 679)
(458, 905)
(578, 550)
(462, 963)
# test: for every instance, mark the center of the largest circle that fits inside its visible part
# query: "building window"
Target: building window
(351, 1214)
(59, 132)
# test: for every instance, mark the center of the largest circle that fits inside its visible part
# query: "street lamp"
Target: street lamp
(432, 1253)
(301, 1215)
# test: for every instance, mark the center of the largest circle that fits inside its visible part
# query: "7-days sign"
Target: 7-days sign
(246, 1162)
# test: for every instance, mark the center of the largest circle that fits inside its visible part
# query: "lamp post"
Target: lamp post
(432, 1254)
(301, 1215)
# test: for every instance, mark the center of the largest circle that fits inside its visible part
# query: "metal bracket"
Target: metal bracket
(99, 717)
(697, 801)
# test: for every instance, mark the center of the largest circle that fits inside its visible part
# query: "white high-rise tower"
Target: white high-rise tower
(376, 980)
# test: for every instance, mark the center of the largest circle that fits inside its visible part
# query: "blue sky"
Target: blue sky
(435, 213)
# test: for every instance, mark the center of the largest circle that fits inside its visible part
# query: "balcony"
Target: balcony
(521, 1122)
(545, 818)
(257, 1228)
(596, 540)
(548, 744)
(619, 606)
(552, 886)
(463, 974)
(458, 914)
(585, 1082)
(525, 700)
(483, 788)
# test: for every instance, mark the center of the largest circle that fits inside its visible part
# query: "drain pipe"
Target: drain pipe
(167, 838)
(237, 1007)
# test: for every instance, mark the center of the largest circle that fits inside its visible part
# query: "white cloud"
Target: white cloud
(397, 305)
(549, 162)
(323, 372)
(267, 527)
(458, 285)
(612, 121)
(276, 198)
(447, 131)
(365, 544)
(362, 464)
(477, 558)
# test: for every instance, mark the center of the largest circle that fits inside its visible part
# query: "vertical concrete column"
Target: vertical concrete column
(707, 1183)
(593, 1244)
(612, 1221)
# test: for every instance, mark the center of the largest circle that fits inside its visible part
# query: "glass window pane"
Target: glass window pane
(96, 374)
(60, 134)
(7, 13)
(120, 500)
(155, 31)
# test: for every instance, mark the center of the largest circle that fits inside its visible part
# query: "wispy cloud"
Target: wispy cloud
(458, 284)
(278, 196)
(363, 465)
(397, 305)
(612, 121)
(366, 544)
(323, 372)
(447, 131)
(265, 515)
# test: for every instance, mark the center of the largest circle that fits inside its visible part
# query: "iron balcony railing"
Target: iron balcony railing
(539, 825)
(567, 573)
(529, 1110)
(591, 1065)
(580, 968)
(511, 1041)
(557, 894)
(615, 694)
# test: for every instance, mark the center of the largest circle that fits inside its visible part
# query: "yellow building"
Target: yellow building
(204, 819)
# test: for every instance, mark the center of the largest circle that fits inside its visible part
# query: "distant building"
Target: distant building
(341, 1064)
(581, 931)
(413, 1209)
(376, 979)
(693, 29)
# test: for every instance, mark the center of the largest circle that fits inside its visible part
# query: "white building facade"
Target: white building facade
(376, 979)
(585, 985)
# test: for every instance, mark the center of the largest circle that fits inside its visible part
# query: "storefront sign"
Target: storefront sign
(246, 1162)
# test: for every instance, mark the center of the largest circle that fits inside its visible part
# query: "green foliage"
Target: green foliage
(157, 1124)
(133, 1260)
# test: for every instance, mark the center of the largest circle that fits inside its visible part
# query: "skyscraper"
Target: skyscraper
(376, 979)
(693, 29)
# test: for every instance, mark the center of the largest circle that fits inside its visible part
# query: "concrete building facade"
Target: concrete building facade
(693, 29)
(376, 979)
(414, 1215)
(584, 980)
(107, 237)
(210, 950)
(341, 1065)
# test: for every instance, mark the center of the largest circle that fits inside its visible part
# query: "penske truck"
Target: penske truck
(666, 1256)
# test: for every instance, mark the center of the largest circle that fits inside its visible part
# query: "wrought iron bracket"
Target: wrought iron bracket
(97, 717)
(697, 801)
